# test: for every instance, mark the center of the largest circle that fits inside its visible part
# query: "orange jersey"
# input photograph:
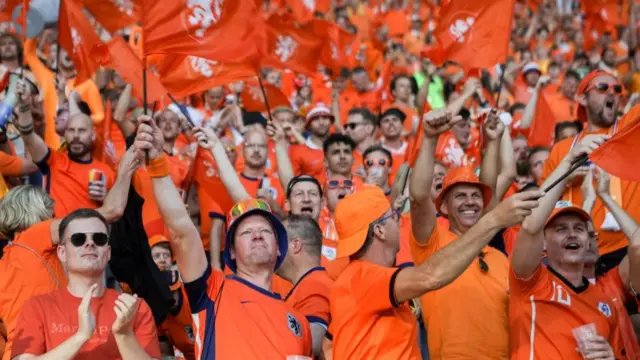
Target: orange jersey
(67, 181)
(366, 321)
(272, 162)
(308, 159)
(608, 241)
(310, 296)
(544, 309)
(10, 165)
(397, 158)
(270, 182)
(404, 253)
(178, 327)
(24, 274)
(234, 319)
(46, 321)
(463, 326)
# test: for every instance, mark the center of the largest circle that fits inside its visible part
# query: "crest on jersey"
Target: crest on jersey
(461, 27)
(294, 325)
(604, 309)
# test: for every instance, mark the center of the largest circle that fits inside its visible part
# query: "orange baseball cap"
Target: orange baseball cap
(462, 175)
(157, 239)
(582, 87)
(354, 214)
(564, 207)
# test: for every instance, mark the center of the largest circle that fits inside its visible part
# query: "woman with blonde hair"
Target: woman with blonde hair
(23, 207)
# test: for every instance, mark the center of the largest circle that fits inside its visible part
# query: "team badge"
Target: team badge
(294, 325)
(605, 309)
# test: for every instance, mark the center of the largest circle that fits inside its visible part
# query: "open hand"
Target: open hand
(126, 308)
(86, 318)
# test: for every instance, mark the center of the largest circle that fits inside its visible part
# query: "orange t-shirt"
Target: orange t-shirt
(179, 327)
(398, 157)
(269, 181)
(24, 273)
(272, 162)
(10, 165)
(310, 296)
(608, 241)
(235, 319)
(371, 100)
(452, 155)
(67, 181)
(46, 321)
(307, 159)
(366, 321)
(544, 309)
(562, 108)
(461, 324)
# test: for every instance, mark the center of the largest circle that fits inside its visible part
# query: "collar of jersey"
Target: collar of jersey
(317, 268)
(255, 287)
(78, 160)
(576, 289)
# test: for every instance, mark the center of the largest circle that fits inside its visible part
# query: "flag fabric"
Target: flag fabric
(304, 10)
(337, 48)
(23, 20)
(113, 15)
(6, 9)
(618, 156)
(220, 30)
(253, 100)
(119, 56)
(292, 46)
(543, 125)
(475, 33)
(78, 38)
(186, 75)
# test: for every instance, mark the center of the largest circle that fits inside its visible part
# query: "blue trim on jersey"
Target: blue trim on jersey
(200, 301)
(254, 287)
(317, 268)
(46, 171)
(316, 320)
(328, 335)
(405, 265)
(209, 338)
(197, 292)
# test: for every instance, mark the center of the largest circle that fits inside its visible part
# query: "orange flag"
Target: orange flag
(618, 156)
(221, 30)
(186, 75)
(113, 15)
(291, 46)
(253, 100)
(119, 56)
(544, 123)
(336, 49)
(304, 10)
(6, 9)
(475, 33)
(78, 38)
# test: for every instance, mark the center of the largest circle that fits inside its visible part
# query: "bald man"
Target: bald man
(72, 177)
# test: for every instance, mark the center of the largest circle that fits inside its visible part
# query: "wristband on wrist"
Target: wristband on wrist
(24, 108)
(24, 130)
(158, 167)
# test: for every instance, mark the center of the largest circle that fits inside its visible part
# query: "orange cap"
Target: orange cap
(462, 175)
(353, 216)
(157, 239)
(582, 87)
(563, 207)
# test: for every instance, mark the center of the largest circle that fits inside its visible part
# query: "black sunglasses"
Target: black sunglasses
(604, 87)
(351, 126)
(381, 162)
(332, 184)
(484, 267)
(79, 239)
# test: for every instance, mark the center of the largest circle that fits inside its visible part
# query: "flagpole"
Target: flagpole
(577, 163)
(144, 99)
(57, 39)
(266, 101)
(183, 111)
(500, 84)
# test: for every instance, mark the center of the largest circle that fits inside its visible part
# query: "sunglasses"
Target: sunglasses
(484, 267)
(242, 207)
(334, 184)
(604, 87)
(79, 239)
(352, 126)
(395, 215)
(370, 163)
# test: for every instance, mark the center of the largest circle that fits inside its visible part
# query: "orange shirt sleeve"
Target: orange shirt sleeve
(10, 165)
(91, 95)
(37, 237)
(29, 335)
(534, 284)
(145, 330)
(372, 287)
(296, 160)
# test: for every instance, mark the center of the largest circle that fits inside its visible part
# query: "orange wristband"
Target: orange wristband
(158, 167)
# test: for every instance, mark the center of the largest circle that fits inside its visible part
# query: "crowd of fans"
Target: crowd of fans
(395, 209)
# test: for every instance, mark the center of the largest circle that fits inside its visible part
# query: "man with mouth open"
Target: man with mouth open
(554, 311)
(598, 98)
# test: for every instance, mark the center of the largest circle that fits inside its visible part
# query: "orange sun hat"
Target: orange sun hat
(462, 175)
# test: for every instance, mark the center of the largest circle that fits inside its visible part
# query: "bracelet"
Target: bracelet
(24, 108)
(24, 130)
(158, 167)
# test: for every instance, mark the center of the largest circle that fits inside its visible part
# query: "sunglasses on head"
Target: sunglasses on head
(242, 207)
(79, 239)
(334, 184)
(604, 87)
(370, 163)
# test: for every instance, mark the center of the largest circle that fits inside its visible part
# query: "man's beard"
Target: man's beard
(76, 155)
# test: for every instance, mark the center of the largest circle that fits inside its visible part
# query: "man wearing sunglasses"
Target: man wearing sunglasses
(361, 127)
(236, 316)
(598, 99)
(85, 320)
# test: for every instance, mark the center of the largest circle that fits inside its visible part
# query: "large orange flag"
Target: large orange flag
(113, 15)
(253, 100)
(337, 45)
(304, 10)
(619, 155)
(186, 75)
(544, 123)
(292, 46)
(6, 9)
(119, 56)
(78, 38)
(475, 33)
(221, 30)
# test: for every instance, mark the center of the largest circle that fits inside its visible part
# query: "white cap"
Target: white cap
(532, 66)
(319, 109)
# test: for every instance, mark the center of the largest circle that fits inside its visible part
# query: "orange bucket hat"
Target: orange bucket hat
(564, 207)
(462, 175)
(354, 214)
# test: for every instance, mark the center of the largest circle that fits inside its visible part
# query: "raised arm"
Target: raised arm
(508, 170)
(185, 240)
(34, 143)
(470, 88)
(116, 200)
(449, 262)
(120, 113)
(493, 129)
(208, 139)
(530, 109)
(285, 168)
(423, 211)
